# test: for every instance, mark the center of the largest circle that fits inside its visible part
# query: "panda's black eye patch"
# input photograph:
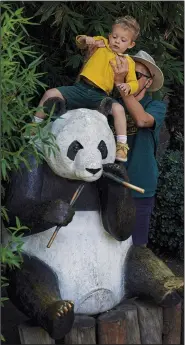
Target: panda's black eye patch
(103, 149)
(73, 149)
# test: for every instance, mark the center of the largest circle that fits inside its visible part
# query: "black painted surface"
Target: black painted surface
(32, 197)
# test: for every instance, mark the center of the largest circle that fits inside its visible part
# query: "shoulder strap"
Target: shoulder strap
(155, 145)
(152, 133)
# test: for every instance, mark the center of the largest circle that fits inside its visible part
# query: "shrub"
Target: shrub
(19, 83)
(167, 229)
(175, 118)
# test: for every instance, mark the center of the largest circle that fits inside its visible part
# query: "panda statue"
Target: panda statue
(91, 265)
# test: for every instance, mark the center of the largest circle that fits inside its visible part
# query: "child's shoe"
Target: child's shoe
(121, 152)
(32, 132)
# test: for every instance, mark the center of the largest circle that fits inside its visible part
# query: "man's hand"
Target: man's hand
(120, 69)
(125, 87)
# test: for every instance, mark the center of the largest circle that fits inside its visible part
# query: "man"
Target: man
(144, 120)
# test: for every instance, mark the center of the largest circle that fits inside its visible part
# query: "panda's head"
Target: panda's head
(85, 143)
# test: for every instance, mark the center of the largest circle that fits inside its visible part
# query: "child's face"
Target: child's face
(120, 39)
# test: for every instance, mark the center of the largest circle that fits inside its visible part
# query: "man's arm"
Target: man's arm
(140, 117)
(136, 110)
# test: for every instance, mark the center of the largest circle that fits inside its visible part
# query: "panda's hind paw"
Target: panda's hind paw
(60, 318)
(65, 308)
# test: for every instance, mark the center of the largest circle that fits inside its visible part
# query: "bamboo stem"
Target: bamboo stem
(126, 184)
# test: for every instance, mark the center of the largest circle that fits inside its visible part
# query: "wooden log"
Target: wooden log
(172, 325)
(150, 317)
(111, 328)
(129, 311)
(83, 331)
(33, 335)
(60, 341)
(182, 324)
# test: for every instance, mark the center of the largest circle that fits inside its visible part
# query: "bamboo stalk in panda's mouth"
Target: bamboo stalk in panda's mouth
(124, 183)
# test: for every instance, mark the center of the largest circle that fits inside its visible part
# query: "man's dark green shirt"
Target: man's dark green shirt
(142, 165)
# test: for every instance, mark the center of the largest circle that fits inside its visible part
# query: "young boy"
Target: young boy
(97, 78)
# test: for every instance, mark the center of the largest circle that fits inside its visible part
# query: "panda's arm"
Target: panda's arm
(117, 207)
(40, 217)
(36, 209)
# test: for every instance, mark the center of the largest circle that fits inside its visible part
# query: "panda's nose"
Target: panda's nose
(93, 171)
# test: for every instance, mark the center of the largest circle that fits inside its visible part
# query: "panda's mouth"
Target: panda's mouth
(93, 171)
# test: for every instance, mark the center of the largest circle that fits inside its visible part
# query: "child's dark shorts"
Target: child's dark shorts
(82, 95)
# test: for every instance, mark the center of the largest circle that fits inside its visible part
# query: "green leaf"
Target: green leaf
(18, 224)
(3, 169)
(168, 45)
(2, 338)
(36, 62)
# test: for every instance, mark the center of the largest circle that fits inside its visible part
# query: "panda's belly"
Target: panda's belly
(89, 263)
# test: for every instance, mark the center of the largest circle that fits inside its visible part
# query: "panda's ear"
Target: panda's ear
(105, 106)
(60, 106)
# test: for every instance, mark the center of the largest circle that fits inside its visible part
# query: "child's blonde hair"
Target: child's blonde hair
(130, 23)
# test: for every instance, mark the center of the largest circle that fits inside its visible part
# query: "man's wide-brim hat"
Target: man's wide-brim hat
(156, 73)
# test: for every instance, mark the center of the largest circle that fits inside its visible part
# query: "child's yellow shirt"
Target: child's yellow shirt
(98, 69)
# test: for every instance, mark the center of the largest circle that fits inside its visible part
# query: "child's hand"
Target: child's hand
(90, 41)
(125, 87)
(100, 44)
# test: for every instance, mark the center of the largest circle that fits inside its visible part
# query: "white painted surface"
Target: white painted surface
(89, 263)
(88, 127)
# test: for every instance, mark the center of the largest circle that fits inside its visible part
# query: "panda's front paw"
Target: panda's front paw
(116, 169)
(58, 212)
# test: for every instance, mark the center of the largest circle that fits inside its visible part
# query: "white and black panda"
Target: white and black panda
(91, 261)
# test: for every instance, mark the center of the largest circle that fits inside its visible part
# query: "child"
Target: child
(97, 77)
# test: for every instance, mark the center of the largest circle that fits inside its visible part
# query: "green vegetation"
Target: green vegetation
(167, 228)
(19, 84)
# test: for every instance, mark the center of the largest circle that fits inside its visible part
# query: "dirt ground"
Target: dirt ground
(11, 317)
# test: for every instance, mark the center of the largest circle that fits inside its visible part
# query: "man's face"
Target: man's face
(142, 74)
(120, 39)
